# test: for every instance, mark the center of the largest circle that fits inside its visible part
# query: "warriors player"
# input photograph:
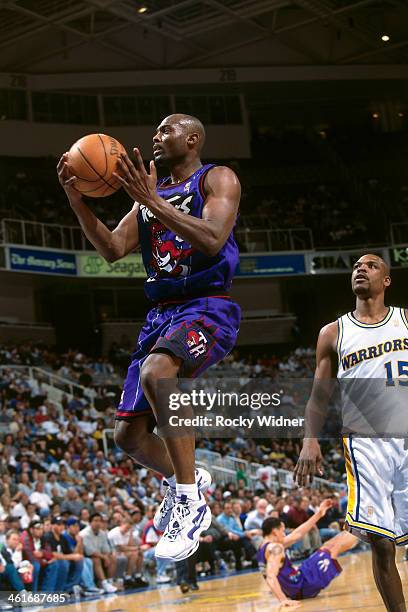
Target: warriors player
(184, 226)
(371, 342)
(289, 583)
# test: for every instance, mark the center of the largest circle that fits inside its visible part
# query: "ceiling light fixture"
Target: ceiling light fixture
(385, 38)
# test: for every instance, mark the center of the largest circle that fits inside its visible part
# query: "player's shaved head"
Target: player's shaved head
(190, 125)
(179, 138)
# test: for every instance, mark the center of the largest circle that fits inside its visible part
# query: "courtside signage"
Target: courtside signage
(92, 264)
(271, 265)
(332, 262)
(399, 257)
(42, 261)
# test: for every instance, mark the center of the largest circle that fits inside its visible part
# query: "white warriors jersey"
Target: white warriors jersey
(373, 350)
(373, 376)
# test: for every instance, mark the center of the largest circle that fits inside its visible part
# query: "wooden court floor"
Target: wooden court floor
(353, 590)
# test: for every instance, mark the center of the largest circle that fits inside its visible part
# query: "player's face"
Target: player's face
(279, 533)
(169, 142)
(369, 276)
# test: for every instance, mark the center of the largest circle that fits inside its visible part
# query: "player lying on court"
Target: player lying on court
(288, 583)
(184, 226)
(369, 343)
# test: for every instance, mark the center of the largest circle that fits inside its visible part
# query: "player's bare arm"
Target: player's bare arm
(300, 532)
(112, 245)
(310, 459)
(275, 554)
(208, 234)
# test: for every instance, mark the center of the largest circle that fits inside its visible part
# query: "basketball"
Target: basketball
(93, 159)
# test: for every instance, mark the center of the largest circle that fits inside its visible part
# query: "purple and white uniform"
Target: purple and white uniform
(193, 316)
(313, 575)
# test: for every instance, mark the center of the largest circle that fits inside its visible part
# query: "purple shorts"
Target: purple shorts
(318, 571)
(201, 332)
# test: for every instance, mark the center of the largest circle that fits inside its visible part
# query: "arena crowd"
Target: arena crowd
(77, 513)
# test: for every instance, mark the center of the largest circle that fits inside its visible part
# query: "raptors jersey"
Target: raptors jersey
(376, 457)
(174, 268)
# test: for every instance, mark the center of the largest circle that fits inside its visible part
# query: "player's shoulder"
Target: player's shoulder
(329, 330)
(221, 174)
(274, 549)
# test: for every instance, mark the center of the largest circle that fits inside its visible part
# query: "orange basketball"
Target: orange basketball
(93, 159)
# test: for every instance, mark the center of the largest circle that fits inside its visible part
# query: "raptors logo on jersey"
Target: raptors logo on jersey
(169, 253)
(168, 256)
(196, 342)
(174, 267)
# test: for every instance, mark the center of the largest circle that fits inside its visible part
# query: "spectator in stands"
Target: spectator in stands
(122, 541)
(10, 561)
(73, 504)
(41, 500)
(296, 515)
(256, 517)
(69, 563)
(97, 547)
(25, 485)
(41, 559)
(236, 533)
(75, 545)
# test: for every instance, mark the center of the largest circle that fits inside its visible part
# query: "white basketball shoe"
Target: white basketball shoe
(163, 513)
(189, 518)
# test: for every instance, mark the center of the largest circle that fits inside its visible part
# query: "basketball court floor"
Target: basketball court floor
(354, 590)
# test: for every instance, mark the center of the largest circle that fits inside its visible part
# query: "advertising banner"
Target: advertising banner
(332, 262)
(271, 265)
(399, 257)
(42, 261)
(93, 265)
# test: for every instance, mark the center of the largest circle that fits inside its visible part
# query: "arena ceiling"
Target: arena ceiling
(42, 36)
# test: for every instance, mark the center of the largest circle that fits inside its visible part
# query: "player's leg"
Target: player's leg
(137, 440)
(341, 543)
(189, 512)
(386, 574)
(201, 333)
(181, 449)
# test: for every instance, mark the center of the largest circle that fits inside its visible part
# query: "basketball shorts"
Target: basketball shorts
(377, 476)
(201, 332)
(318, 571)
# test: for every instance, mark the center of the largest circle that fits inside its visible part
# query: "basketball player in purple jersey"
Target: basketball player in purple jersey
(288, 583)
(184, 226)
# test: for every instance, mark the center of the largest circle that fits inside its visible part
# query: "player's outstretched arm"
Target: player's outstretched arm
(111, 245)
(208, 234)
(310, 459)
(300, 532)
(275, 554)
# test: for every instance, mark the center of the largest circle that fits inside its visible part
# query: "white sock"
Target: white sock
(172, 481)
(190, 490)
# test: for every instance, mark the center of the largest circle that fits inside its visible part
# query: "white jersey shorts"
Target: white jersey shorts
(377, 477)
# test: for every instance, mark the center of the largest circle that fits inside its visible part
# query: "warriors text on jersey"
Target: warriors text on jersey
(174, 268)
(373, 369)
